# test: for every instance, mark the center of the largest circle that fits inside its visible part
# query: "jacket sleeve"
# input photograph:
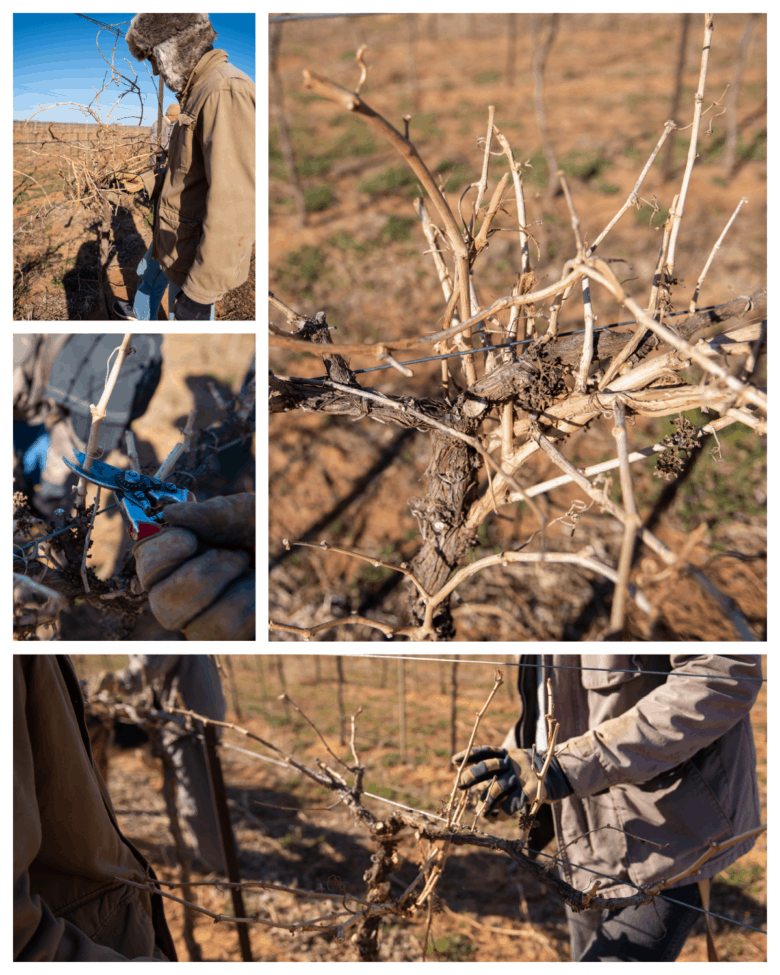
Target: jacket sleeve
(667, 726)
(228, 232)
(155, 666)
(38, 934)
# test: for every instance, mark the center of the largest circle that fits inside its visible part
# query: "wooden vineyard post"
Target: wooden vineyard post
(219, 799)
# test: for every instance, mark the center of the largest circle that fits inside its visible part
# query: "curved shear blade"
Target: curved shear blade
(99, 473)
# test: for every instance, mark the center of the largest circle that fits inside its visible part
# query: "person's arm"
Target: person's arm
(667, 726)
(130, 680)
(228, 125)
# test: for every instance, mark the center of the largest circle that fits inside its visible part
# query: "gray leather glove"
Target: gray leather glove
(199, 573)
(516, 778)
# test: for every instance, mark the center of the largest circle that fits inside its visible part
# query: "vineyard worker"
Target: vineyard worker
(667, 758)
(190, 681)
(68, 848)
(159, 143)
(204, 220)
(199, 572)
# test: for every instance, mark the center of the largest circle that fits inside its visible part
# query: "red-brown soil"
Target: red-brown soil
(56, 253)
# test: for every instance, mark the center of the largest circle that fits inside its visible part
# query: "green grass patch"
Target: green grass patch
(647, 216)
(312, 166)
(302, 268)
(754, 151)
(584, 163)
(453, 175)
(382, 790)
(378, 573)
(748, 878)
(397, 228)
(395, 180)
(318, 198)
(453, 947)
(343, 240)
(537, 174)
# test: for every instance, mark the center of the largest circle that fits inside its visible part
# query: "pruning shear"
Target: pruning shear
(141, 498)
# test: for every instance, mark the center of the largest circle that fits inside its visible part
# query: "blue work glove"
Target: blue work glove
(516, 777)
(187, 310)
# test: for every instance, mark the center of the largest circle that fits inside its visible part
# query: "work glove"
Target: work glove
(199, 572)
(515, 771)
(129, 181)
(187, 310)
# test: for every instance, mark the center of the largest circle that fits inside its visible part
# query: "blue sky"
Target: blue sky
(56, 60)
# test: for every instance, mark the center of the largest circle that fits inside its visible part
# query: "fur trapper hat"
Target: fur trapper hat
(177, 42)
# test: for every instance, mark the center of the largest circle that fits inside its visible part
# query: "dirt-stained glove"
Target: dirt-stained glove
(187, 310)
(199, 573)
(515, 772)
(131, 182)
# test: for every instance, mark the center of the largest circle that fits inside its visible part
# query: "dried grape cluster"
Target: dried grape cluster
(679, 446)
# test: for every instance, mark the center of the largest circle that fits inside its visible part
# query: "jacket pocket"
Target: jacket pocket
(180, 146)
(669, 821)
(177, 239)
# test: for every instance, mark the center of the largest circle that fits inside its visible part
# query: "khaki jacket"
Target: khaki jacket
(667, 759)
(67, 845)
(204, 225)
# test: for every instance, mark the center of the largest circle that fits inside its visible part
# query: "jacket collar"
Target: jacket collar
(206, 64)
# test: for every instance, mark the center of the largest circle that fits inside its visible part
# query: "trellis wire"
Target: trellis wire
(547, 856)
(511, 663)
(110, 27)
(216, 450)
(286, 18)
(556, 859)
(400, 805)
(129, 140)
(491, 348)
(23, 548)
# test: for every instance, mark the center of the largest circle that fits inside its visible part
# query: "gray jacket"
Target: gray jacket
(666, 758)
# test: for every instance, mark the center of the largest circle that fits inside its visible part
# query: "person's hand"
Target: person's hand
(199, 572)
(516, 779)
(187, 310)
(129, 181)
